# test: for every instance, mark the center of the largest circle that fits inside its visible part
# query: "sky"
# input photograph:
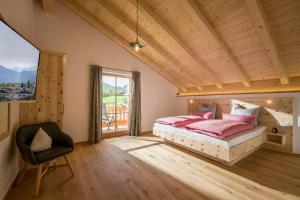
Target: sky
(15, 52)
(111, 80)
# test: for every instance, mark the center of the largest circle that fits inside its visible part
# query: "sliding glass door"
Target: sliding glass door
(115, 104)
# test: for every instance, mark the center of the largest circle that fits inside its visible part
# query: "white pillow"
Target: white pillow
(41, 141)
(237, 109)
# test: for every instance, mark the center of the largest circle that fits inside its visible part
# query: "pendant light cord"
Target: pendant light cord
(137, 20)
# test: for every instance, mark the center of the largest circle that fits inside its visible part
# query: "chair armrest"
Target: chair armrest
(65, 139)
(27, 154)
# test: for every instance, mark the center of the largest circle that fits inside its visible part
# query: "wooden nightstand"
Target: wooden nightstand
(276, 138)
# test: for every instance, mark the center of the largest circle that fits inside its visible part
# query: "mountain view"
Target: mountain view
(110, 89)
(18, 66)
(16, 85)
(11, 76)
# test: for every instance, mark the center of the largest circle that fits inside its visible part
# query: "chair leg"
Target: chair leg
(54, 164)
(38, 180)
(108, 126)
(69, 164)
(22, 173)
(116, 123)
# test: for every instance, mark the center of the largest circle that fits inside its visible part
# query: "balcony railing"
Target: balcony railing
(119, 115)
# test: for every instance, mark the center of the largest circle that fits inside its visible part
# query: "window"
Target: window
(115, 102)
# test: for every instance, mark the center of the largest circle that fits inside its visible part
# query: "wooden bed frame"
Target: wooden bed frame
(274, 113)
(227, 156)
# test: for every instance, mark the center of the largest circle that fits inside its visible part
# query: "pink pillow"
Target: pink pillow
(205, 115)
(240, 118)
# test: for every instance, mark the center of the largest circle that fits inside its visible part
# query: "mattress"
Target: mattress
(225, 142)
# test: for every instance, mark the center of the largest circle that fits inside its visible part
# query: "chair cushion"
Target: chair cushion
(52, 153)
(41, 141)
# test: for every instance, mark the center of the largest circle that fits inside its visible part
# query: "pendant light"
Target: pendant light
(136, 44)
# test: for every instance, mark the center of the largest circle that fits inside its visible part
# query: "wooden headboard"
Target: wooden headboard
(274, 113)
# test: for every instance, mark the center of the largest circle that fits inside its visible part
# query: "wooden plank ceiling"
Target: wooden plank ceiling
(208, 46)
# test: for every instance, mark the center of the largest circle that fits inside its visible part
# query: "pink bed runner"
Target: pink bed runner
(219, 128)
(181, 120)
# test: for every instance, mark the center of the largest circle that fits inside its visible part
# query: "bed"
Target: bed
(228, 150)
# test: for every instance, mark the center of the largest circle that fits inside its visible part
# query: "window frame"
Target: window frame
(116, 75)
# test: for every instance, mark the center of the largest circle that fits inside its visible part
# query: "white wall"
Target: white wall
(65, 32)
(9, 156)
(182, 105)
(18, 14)
(296, 128)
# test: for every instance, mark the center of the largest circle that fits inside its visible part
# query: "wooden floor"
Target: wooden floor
(146, 168)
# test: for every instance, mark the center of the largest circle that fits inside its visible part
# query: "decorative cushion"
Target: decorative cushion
(240, 118)
(208, 108)
(205, 115)
(41, 141)
(237, 109)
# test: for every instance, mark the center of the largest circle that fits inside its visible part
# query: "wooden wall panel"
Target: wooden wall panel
(4, 120)
(49, 103)
(274, 113)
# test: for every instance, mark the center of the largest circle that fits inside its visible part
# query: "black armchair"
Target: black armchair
(62, 144)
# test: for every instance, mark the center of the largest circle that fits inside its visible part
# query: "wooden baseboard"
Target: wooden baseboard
(144, 133)
(82, 142)
(114, 134)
